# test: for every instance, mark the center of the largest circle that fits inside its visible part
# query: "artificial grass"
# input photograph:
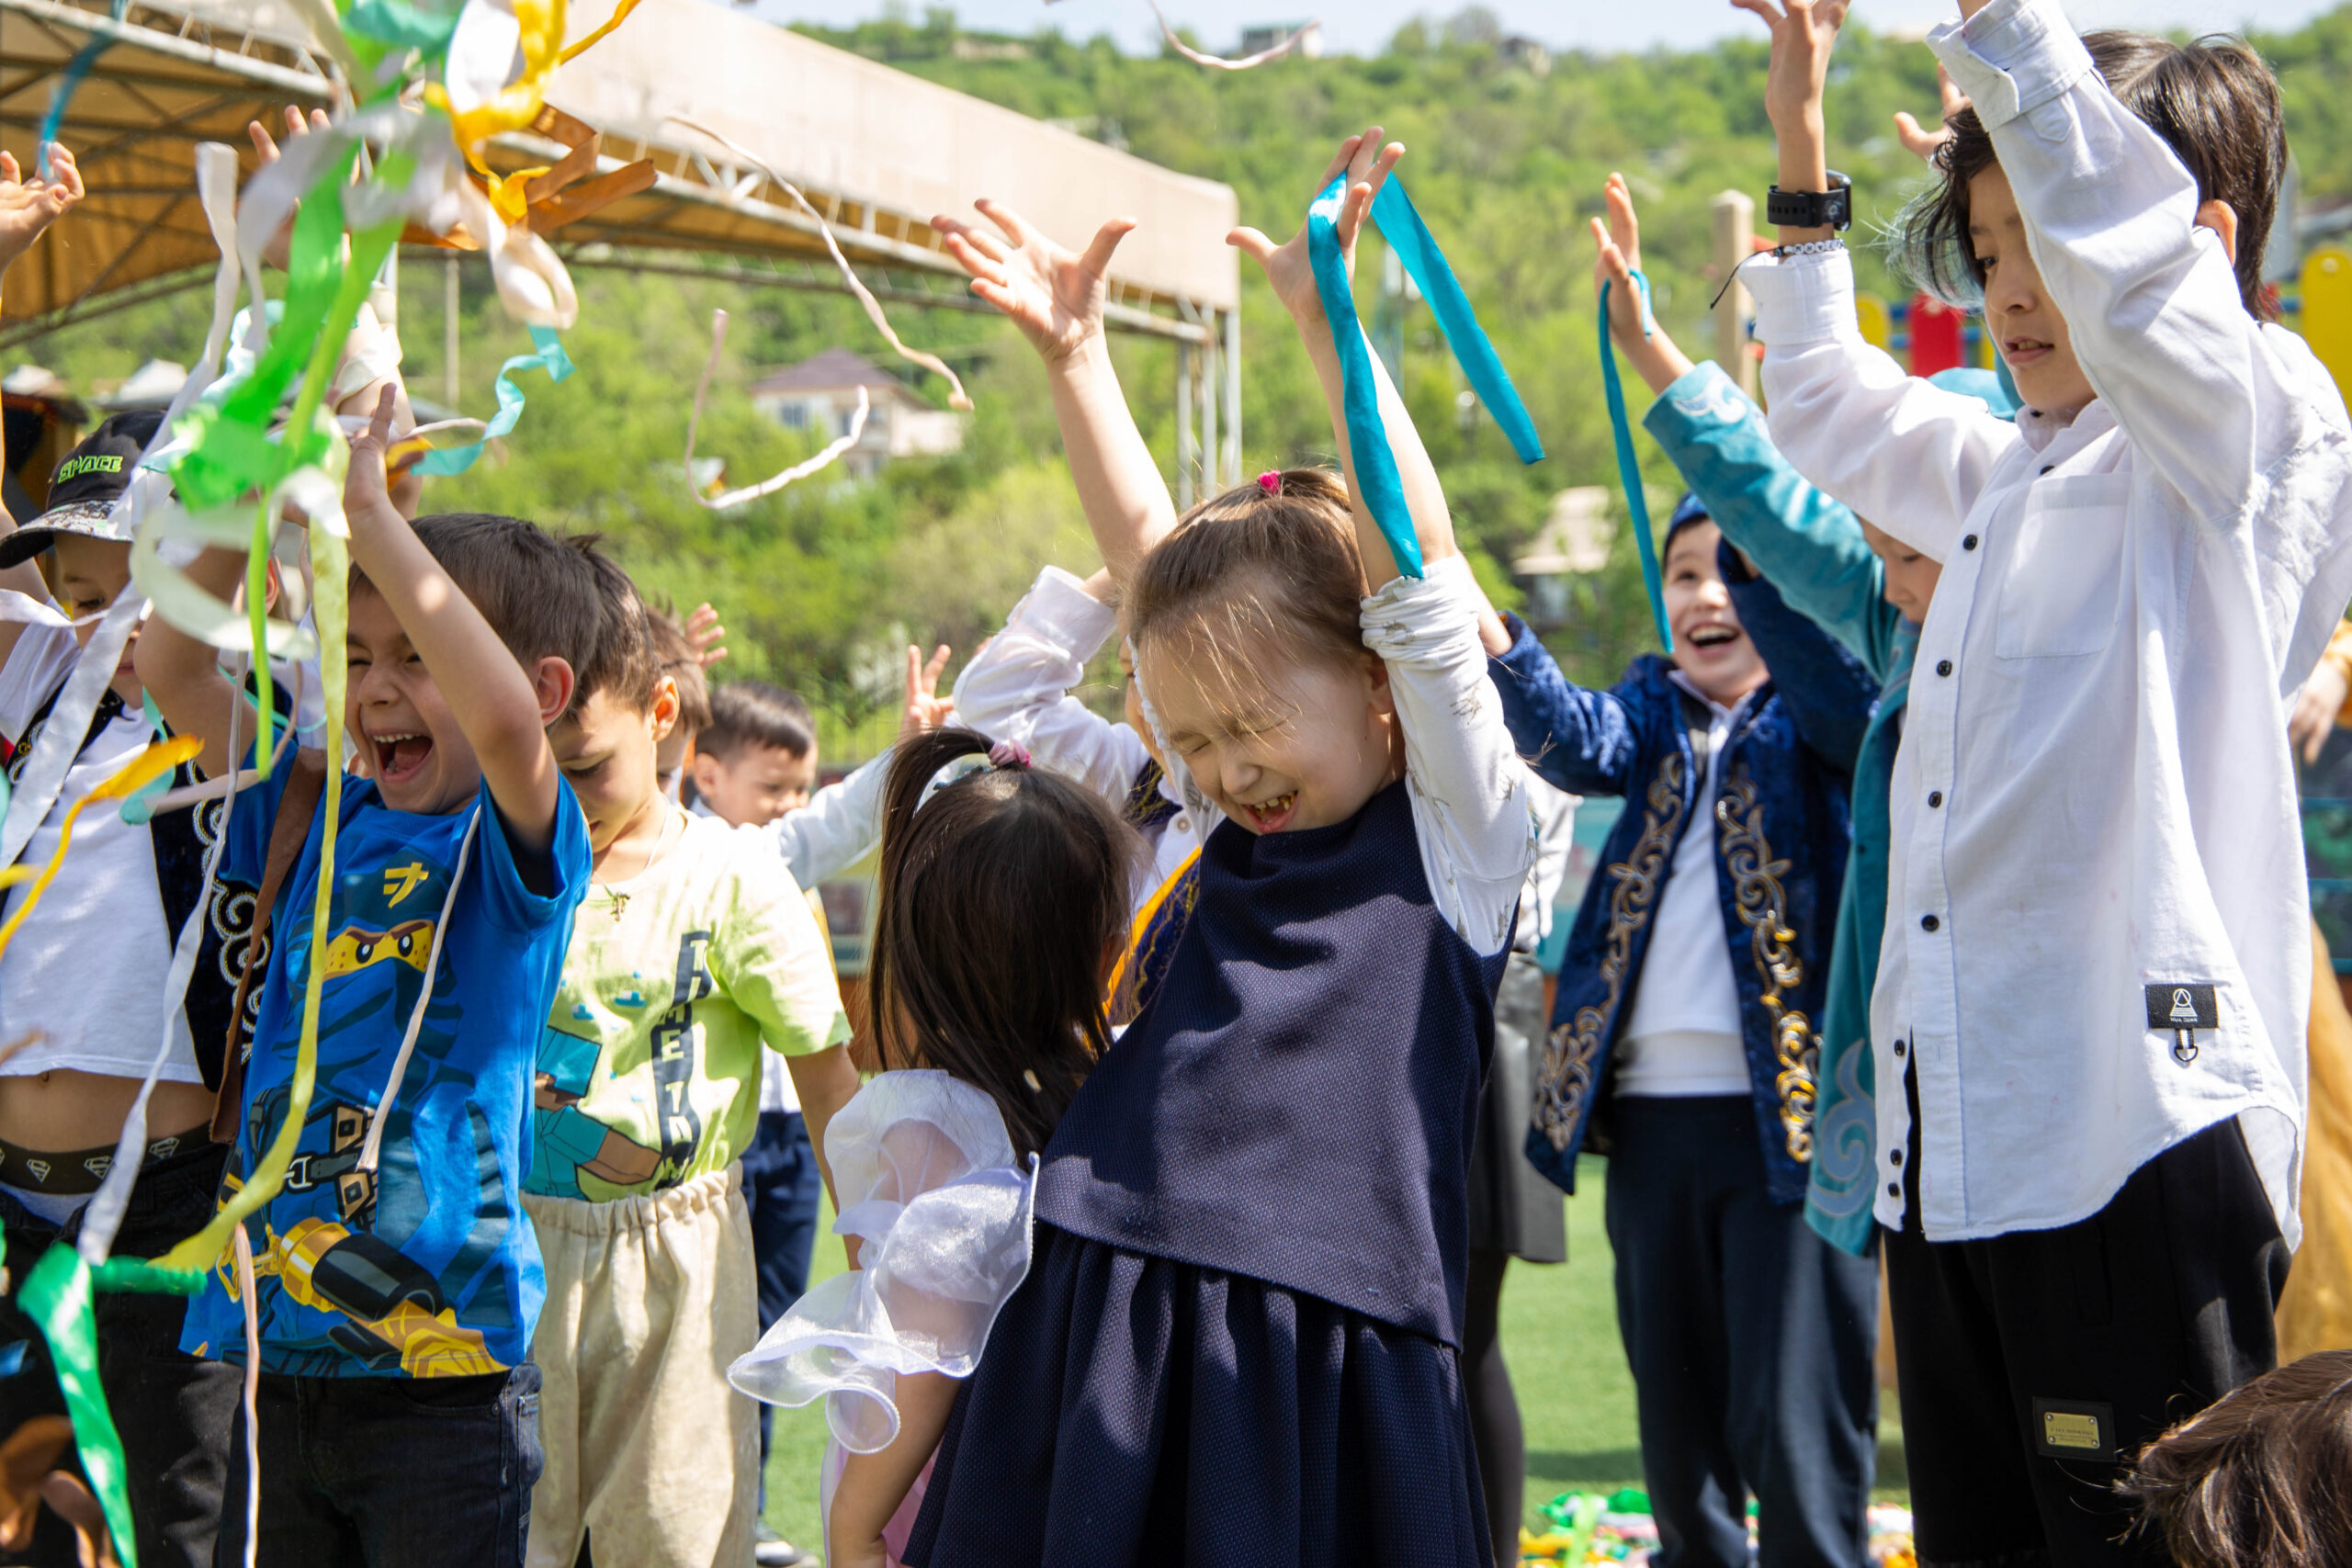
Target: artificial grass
(1576, 1394)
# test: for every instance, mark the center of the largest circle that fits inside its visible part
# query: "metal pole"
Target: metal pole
(1185, 457)
(1233, 397)
(1735, 233)
(449, 332)
(1211, 455)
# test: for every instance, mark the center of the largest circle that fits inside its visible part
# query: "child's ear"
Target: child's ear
(2222, 219)
(666, 707)
(703, 767)
(552, 682)
(273, 585)
(1384, 697)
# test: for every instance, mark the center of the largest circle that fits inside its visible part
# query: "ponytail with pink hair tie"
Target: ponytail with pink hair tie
(1271, 481)
(1008, 754)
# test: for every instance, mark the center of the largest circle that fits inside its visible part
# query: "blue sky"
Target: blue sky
(1364, 25)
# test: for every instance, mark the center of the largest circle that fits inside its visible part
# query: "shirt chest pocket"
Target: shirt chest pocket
(2060, 593)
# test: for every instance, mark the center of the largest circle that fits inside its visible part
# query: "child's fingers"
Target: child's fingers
(318, 120)
(1009, 223)
(1384, 165)
(1339, 159)
(988, 244)
(264, 145)
(914, 674)
(998, 295)
(379, 424)
(1097, 259)
(64, 171)
(1764, 8)
(930, 671)
(10, 174)
(1251, 243)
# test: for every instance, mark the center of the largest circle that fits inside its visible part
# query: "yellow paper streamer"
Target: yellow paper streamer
(153, 763)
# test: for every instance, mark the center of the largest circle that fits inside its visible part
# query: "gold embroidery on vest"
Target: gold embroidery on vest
(1564, 1077)
(1763, 907)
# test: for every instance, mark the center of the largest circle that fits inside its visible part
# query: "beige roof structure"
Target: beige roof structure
(876, 150)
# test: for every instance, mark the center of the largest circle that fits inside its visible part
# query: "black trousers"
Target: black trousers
(1751, 1342)
(2033, 1365)
(173, 1411)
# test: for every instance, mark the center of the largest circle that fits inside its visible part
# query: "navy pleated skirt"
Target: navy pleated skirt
(1131, 1410)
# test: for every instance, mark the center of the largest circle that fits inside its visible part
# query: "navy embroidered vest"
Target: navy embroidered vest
(1297, 1100)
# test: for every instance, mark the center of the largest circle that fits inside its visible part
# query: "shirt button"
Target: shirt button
(1894, 1157)
(1943, 666)
(1934, 797)
(1900, 1048)
(1969, 543)
(1894, 1190)
(1928, 922)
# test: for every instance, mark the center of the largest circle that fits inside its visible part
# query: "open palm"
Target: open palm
(1053, 295)
(30, 206)
(1290, 266)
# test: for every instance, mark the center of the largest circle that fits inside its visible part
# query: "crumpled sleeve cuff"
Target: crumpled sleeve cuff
(1803, 298)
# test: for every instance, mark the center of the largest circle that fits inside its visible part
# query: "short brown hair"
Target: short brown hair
(753, 713)
(2213, 102)
(537, 593)
(1002, 898)
(1272, 561)
(680, 660)
(2262, 1478)
(624, 662)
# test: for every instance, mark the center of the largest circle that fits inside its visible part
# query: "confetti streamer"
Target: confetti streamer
(1219, 62)
(773, 482)
(56, 1295)
(1629, 467)
(1376, 464)
(955, 396)
(551, 358)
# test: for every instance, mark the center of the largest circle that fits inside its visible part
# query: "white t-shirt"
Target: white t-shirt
(84, 976)
(1683, 1037)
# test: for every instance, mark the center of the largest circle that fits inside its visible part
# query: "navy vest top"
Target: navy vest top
(1297, 1100)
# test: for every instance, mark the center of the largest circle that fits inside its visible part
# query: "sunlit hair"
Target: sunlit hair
(2213, 102)
(1265, 568)
(2261, 1478)
(1004, 897)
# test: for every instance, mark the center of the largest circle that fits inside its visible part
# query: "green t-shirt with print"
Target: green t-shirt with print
(649, 1071)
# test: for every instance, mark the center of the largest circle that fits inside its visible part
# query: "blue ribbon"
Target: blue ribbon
(1629, 470)
(1376, 464)
(551, 358)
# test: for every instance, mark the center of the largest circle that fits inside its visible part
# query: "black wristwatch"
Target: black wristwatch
(1832, 208)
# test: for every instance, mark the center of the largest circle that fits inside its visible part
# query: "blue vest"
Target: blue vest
(1297, 1100)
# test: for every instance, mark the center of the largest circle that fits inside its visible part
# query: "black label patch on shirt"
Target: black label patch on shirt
(2070, 1428)
(2177, 1005)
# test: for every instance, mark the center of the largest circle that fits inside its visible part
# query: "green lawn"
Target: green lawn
(1559, 1335)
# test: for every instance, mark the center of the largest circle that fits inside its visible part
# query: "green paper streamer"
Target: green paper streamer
(57, 1295)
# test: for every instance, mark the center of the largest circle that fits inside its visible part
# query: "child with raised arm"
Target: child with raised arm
(694, 961)
(396, 1296)
(2095, 967)
(1238, 1341)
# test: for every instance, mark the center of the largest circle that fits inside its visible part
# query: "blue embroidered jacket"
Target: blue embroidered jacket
(1779, 823)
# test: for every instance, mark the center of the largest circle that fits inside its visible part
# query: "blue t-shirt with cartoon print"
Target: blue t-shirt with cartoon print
(427, 1267)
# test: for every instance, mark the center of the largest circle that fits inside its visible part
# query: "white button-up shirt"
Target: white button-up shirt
(2094, 795)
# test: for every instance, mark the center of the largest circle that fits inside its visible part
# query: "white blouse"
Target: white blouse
(941, 1207)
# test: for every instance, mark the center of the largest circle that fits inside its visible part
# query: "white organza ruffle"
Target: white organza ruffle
(929, 1186)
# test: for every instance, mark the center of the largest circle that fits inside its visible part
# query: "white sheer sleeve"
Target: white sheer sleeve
(941, 1210)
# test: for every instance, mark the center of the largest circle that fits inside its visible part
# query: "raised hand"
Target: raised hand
(365, 485)
(1366, 162)
(28, 207)
(1920, 142)
(1054, 296)
(266, 150)
(1803, 31)
(1654, 356)
(925, 710)
(703, 634)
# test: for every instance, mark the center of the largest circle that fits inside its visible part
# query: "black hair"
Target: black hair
(1003, 898)
(745, 713)
(2214, 103)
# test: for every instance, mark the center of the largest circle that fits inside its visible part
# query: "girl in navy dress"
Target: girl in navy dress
(1238, 1342)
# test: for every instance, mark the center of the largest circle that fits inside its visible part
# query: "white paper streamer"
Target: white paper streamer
(773, 482)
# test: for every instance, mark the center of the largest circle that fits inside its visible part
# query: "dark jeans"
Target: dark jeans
(2031, 1364)
(1751, 1342)
(389, 1473)
(171, 1411)
(781, 1188)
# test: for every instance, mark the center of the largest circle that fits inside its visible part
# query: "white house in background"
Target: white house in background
(820, 395)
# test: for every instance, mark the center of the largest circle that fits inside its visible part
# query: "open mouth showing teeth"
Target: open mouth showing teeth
(1269, 815)
(1712, 636)
(400, 756)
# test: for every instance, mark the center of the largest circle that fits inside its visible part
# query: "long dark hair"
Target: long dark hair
(1004, 897)
(2213, 102)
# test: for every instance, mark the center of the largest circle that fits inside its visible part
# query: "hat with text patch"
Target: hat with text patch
(87, 484)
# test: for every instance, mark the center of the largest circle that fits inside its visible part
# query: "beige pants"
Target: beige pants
(649, 1449)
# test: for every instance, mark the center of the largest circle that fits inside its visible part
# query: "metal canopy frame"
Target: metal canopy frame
(192, 71)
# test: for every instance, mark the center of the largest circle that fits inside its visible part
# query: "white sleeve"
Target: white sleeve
(2213, 399)
(1555, 824)
(1906, 454)
(1471, 793)
(1017, 688)
(941, 1210)
(838, 828)
(35, 666)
